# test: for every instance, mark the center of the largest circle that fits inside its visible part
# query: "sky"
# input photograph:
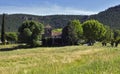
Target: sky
(56, 7)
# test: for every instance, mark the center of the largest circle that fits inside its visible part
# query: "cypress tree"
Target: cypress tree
(3, 29)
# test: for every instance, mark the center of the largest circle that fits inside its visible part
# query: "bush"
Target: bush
(12, 37)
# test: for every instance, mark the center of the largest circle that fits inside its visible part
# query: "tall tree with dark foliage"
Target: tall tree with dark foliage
(72, 32)
(3, 29)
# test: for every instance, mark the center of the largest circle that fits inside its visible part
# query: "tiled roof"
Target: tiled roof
(56, 33)
(48, 26)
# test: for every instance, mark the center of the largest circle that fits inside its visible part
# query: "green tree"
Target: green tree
(93, 30)
(12, 37)
(3, 29)
(72, 32)
(116, 37)
(116, 34)
(30, 33)
(108, 35)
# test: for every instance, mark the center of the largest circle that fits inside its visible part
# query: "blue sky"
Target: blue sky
(52, 7)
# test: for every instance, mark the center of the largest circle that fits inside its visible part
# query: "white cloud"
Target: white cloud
(45, 10)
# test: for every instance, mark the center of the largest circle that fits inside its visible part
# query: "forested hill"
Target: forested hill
(109, 17)
(13, 21)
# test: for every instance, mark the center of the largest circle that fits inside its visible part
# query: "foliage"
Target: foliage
(93, 30)
(12, 36)
(108, 35)
(116, 37)
(57, 30)
(14, 21)
(109, 17)
(116, 33)
(30, 32)
(3, 29)
(72, 32)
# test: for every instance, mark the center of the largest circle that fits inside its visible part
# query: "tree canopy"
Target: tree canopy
(93, 30)
(3, 29)
(108, 35)
(30, 33)
(72, 32)
(116, 33)
(11, 36)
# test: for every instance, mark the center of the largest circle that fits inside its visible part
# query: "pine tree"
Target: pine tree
(3, 29)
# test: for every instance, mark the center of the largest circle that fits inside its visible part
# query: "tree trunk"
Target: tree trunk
(3, 30)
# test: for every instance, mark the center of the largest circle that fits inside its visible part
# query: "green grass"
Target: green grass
(61, 60)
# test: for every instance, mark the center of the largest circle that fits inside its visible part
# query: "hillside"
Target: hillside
(60, 60)
(108, 17)
(56, 21)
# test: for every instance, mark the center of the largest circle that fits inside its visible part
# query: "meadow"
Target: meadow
(61, 60)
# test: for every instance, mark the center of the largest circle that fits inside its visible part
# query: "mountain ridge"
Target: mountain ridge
(108, 17)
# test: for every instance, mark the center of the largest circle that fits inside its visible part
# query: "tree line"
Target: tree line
(90, 31)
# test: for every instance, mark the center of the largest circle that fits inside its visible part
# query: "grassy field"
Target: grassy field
(61, 60)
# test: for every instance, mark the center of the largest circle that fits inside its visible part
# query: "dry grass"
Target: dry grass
(60, 60)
